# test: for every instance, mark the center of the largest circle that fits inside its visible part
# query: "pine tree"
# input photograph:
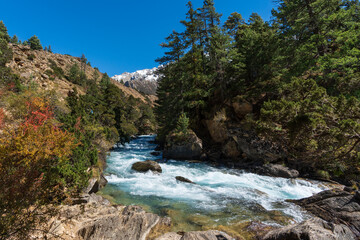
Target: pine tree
(3, 32)
(49, 49)
(14, 40)
(83, 62)
(233, 24)
(34, 43)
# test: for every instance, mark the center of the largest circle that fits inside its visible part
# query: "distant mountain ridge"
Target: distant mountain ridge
(145, 80)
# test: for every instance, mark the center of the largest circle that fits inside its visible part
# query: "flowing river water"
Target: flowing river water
(221, 196)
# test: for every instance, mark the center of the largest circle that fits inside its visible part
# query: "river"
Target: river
(220, 197)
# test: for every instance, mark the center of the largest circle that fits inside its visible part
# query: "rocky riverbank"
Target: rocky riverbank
(97, 219)
(337, 216)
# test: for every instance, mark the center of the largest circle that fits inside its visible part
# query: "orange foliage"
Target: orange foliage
(2, 116)
(28, 153)
(38, 138)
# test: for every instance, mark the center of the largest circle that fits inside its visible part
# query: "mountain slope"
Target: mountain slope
(35, 66)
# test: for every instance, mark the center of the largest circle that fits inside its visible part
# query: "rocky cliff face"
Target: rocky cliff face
(145, 81)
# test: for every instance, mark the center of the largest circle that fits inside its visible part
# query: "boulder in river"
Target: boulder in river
(312, 229)
(155, 153)
(277, 170)
(147, 165)
(183, 146)
(185, 180)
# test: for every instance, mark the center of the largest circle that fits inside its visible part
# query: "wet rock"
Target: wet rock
(335, 206)
(185, 180)
(312, 229)
(147, 165)
(183, 147)
(277, 170)
(204, 157)
(199, 235)
(155, 153)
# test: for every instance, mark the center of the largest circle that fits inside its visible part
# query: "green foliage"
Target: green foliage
(34, 43)
(301, 70)
(5, 53)
(57, 71)
(14, 40)
(315, 126)
(3, 32)
(76, 75)
(182, 124)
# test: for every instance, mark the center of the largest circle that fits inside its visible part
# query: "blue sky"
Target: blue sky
(115, 35)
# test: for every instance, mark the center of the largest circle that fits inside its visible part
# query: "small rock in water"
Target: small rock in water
(155, 153)
(146, 166)
(194, 161)
(182, 179)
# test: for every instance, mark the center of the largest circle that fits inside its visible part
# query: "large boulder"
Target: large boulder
(336, 206)
(277, 170)
(312, 229)
(198, 235)
(147, 165)
(97, 221)
(180, 146)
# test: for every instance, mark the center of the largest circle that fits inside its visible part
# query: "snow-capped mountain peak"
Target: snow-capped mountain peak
(145, 80)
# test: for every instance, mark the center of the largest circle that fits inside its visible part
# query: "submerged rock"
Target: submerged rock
(183, 146)
(199, 235)
(182, 179)
(147, 165)
(312, 229)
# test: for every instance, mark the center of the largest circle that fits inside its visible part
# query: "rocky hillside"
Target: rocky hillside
(38, 67)
(145, 81)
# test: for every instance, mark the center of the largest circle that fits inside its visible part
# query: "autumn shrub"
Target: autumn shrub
(32, 156)
(2, 116)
